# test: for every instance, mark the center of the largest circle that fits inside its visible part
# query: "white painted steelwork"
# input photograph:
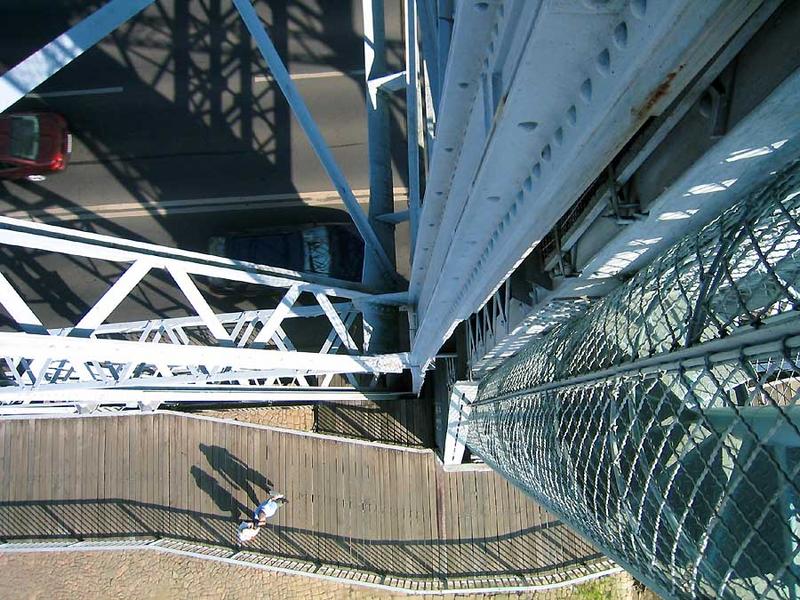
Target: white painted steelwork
(508, 163)
(761, 143)
(461, 397)
(188, 358)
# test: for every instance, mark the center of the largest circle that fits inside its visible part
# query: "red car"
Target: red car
(33, 145)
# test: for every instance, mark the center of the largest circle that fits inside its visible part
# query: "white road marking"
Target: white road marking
(86, 92)
(318, 75)
(124, 210)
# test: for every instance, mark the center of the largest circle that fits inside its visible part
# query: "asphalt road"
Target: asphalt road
(179, 133)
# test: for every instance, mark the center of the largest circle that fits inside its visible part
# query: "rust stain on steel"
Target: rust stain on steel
(657, 94)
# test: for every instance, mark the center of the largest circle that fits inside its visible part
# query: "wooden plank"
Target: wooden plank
(199, 432)
(287, 511)
(190, 490)
(169, 430)
(152, 484)
(78, 516)
(338, 493)
(258, 454)
(181, 475)
(508, 528)
(59, 463)
(206, 498)
(6, 429)
(96, 492)
(223, 435)
(415, 487)
(406, 492)
(273, 446)
(282, 476)
(110, 472)
(248, 455)
(438, 521)
(328, 463)
(389, 502)
(75, 484)
(165, 448)
(369, 494)
(315, 479)
(506, 521)
(306, 483)
(320, 494)
(297, 516)
(346, 482)
(124, 433)
(69, 458)
(39, 459)
(95, 487)
(355, 509)
(446, 519)
(5, 463)
(142, 480)
(423, 510)
(213, 496)
(26, 485)
(466, 497)
(14, 447)
(195, 496)
(460, 523)
(515, 548)
(137, 465)
(228, 441)
(155, 483)
(495, 514)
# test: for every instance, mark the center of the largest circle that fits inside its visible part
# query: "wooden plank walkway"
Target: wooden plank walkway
(407, 422)
(360, 507)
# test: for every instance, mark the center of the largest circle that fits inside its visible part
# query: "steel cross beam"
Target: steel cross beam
(90, 361)
(41, 65)
(295, 100)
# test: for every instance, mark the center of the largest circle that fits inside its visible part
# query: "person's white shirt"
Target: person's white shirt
(247, 531)
(265, 510)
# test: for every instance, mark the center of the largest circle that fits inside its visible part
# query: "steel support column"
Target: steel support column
(380, 328)
(295, 100)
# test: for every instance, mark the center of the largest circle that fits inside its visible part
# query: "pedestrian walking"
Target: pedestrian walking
(249, 529)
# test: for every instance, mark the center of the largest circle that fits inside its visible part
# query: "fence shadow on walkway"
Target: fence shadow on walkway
(118, 518)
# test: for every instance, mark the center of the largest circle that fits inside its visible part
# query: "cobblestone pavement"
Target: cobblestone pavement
(148, 575)
(288, 417)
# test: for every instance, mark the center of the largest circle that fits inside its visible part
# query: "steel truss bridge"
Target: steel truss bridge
(603, 211)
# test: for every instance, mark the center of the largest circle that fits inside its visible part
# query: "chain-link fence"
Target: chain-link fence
(664, 424)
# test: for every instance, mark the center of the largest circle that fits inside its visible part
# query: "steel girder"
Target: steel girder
(538, 110)
(767, 138)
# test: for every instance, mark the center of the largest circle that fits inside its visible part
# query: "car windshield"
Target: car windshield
(317, 257)
(25, 137)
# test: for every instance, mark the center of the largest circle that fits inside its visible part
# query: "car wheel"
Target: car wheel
(36, 178)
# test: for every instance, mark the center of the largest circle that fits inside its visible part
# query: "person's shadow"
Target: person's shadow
(234, 473)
